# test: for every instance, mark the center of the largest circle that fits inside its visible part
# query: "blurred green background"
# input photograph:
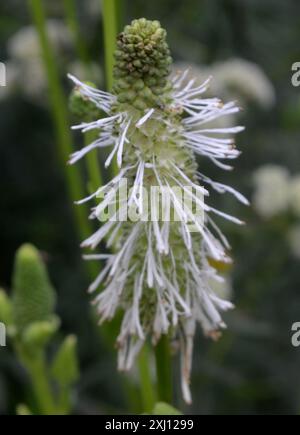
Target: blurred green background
(250, 47)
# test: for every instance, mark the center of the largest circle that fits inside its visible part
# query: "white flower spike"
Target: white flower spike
(159, 272)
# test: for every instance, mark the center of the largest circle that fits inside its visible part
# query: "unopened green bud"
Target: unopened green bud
(33, 295)
(144, 56)
(65, 368)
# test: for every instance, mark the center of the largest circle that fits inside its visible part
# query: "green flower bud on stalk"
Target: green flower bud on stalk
(142, 65)
(33, 294)
(65, 368)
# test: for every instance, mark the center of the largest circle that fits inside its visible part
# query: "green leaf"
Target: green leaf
(162, 408)
(33, 295)
(65, 368)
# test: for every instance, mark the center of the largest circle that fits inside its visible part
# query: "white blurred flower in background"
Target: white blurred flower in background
(234, 79)
(24, 44)
(94, 7)
(243, 80)
(200, 73)
(25, 65)
(91, 74)
(272, 194)
(223, 289)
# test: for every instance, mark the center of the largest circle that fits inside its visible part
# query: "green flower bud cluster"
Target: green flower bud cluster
(31, 324)
(142, 64)
(141, 82)
(82, 108)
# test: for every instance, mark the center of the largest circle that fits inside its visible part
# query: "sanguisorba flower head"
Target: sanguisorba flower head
(159, 271)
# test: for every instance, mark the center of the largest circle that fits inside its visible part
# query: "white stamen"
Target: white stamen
(145, 118)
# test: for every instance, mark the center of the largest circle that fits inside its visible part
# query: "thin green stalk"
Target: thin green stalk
(37, 370)
(92, 162)
(94, 171)
(64, 400)
(60, 116)
(120, 14)
(73, 24)
(110, 27)
(147, 387)
(164, 370)
(92, 165)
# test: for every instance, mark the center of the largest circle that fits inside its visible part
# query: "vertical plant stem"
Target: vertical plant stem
(164, 369)
(60, 116)
(120, 14)
(92, 164)
(64, 400)
(42, 390)
(73, 24)
(147, 388)
(110, 27)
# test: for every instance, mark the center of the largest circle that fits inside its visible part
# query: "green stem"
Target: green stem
(73, 24)
(37, 370)
(92, 163)
(65, 402)
(110, 28)
(164, 369)
(94, 172)
(60, 116)
(147, 387)
(120, 14)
